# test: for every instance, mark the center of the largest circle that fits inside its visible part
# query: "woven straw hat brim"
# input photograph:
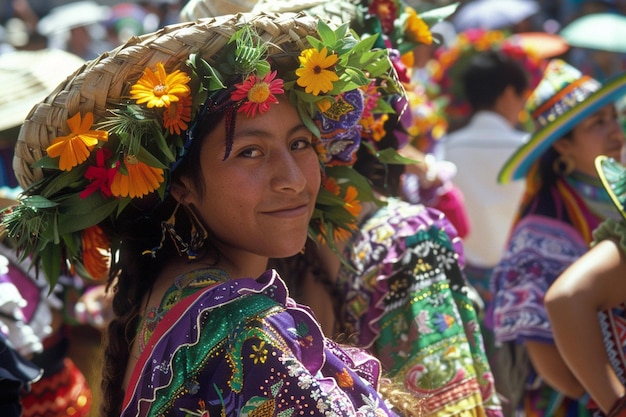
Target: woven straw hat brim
(334, 11)
(337, 11)
(106, 81)
(27, 77)
(613, 176)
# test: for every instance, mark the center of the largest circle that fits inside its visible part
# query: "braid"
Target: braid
(130, 283)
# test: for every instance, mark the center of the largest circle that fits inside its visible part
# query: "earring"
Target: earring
(197, 235)
(563, 165)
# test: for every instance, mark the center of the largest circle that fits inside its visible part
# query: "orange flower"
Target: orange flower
(378, 128)
(332, 186)
(341, 234)
(344, 380)
(352, 204)
(160, 89)
(177, 115)
(141, 179)
(96, 252)
(75, 148)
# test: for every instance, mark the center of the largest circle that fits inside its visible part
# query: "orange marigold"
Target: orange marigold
(96, 252)
(141, 179)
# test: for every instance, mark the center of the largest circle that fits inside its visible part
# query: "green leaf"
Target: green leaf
(81, 213)
(433, 16)
(365, 45)
(144, 156)
(391, 156)
(51, 257)
(47, 163)
(327, 35)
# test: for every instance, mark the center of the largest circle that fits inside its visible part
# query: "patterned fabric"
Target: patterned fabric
(554, 231)
(64, 393)
(27, 296)
(540, 249)
(242, 347)
(613, 322)
(406, 301)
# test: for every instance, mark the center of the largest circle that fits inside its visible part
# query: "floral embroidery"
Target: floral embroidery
(260, 353)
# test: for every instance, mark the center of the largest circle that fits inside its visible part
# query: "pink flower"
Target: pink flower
(260, 93)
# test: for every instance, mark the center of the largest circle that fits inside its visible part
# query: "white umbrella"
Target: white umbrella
(601, 31)
(493, 14)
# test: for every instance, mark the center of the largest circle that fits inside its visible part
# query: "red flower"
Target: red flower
(259, 92)
(100, 176)
(386, 11)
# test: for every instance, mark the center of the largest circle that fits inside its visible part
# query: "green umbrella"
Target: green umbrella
(601, 31)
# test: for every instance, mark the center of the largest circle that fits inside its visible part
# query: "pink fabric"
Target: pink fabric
(452, 204)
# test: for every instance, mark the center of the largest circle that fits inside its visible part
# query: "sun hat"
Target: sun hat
(27, 77)
(102, 146)
(193, 9)
(612, 173)
(562, 99)
(72, 15)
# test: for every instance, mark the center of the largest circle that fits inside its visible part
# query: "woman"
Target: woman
(586, 305)
(562, 203)
(205, 159)
(395, 287)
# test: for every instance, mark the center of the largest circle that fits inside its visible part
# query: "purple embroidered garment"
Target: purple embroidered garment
(243, 347)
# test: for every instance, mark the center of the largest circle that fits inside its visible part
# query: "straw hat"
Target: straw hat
(72, 15)
(194, 9)
(562, 99)
(27, 77)
(104, 107)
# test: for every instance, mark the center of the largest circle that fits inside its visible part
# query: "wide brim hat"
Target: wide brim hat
(27, 77)
(108, 78)
(72, 15)
(563, 98)
(335, 11)
(97, 153)
(612, 173)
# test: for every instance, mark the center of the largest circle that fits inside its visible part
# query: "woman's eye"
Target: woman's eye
(301, 144)
(250, 153)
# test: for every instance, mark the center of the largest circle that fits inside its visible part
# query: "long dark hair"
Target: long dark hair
(133, 272)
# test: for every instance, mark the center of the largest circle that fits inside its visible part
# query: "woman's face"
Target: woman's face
(598, 134)
(260, 199)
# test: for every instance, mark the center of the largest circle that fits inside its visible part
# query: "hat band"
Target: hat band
(569, 97)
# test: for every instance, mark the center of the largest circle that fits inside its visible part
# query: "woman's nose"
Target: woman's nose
(288, 174)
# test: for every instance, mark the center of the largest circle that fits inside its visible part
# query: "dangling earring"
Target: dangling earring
(198, 235)
(563, 165)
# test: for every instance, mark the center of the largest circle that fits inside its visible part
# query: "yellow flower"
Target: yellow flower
(417, 28)
(142, 179)
(75, 148)
(96, 254)
(314, 75)
(159, 89)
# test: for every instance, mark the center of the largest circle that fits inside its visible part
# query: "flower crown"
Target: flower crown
(454, 60)
(339, 84)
